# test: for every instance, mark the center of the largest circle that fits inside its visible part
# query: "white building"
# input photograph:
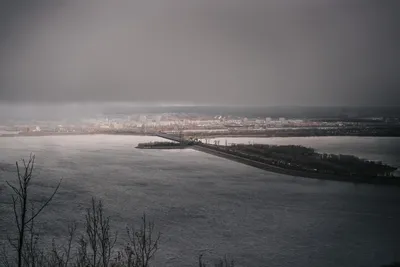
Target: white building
(142, 118)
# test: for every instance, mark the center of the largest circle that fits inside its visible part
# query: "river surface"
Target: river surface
(203, 204)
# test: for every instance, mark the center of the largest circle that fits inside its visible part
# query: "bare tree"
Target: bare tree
(95, 247)
(61, 257)
(81, 258)
(143, 242)
(141, 248)
(4, 258)
(23, 220)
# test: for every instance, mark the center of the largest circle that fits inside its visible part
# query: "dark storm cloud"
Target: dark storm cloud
(310, 52)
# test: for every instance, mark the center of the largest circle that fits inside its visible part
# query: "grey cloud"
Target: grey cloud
(311, 52)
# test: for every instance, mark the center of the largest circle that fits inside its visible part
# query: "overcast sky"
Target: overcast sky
(248, 52)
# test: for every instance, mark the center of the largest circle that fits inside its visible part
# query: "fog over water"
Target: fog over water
(205, 204)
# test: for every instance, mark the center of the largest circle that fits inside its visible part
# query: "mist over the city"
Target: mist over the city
(225, 52)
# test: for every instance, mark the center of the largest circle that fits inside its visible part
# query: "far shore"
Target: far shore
(39, 134)
(209, 136)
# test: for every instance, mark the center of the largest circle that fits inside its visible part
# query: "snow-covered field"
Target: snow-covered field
(205, 204)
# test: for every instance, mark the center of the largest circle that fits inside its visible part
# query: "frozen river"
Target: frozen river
(205, 204)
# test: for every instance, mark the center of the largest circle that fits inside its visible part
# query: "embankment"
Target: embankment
(314, 175)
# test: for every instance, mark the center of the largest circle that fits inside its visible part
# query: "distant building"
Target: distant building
(296, 121)
(118, 125)
(158, 119)
(143, 118)
(37, 129)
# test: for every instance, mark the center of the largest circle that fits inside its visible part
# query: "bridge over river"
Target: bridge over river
(169, 137)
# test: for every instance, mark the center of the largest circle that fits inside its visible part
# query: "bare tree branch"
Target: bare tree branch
(45, 204)
(71, 235)
(14, 189)
(16, 213)
(25, 249)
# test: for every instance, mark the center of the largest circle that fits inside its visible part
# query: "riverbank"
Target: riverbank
(283, 135)
(163, 147)
(362, 131)
(393, 131)
(39, 134)
(321, 176)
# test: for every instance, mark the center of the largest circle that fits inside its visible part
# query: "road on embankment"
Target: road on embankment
(271, 168)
